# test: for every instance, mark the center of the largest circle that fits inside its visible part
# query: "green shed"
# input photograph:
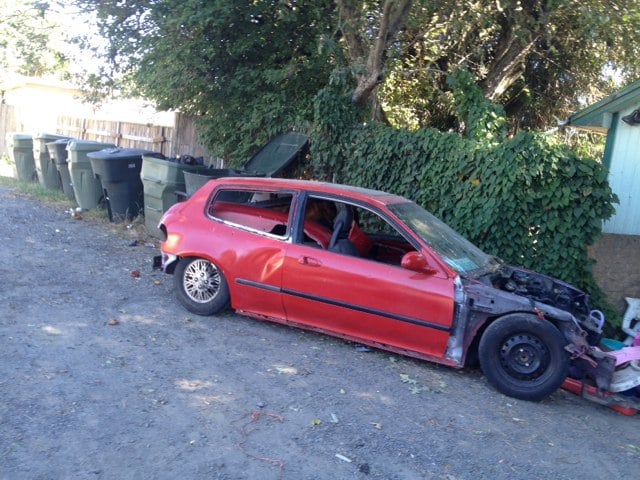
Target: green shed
(618, 117)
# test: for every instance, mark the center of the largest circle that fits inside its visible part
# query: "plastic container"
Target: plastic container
(119, 171)
(58, 153)
(193, 181)
(163, 183)
(87, 189)
(631, 320)
(47, 172)
(612, 344)
(270, 161)
(20, 147)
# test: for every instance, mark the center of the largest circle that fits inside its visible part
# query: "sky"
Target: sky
(71, 21)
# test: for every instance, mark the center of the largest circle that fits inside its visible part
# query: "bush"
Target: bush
(528, 199)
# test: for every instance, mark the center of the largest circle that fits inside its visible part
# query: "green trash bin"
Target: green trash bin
(193, 181)
(20, 147)
(119, 171)
(58, 153)
(47, 172)
(86, 186)
(163, 181)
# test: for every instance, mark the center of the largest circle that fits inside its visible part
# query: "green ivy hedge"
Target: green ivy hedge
(527, 199)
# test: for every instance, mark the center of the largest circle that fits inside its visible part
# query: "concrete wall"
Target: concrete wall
(617, 268)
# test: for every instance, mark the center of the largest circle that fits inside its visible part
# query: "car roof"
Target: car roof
(312, 186)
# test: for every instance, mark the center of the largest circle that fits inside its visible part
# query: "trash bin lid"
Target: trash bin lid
(276, 155)
(61, 141)
(19, 140)
(118, 153)
(88, 145)
(19, 136)
(50, 136)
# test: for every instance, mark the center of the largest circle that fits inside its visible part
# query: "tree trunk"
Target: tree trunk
(521, 24)
(506, 69)
(369, 61)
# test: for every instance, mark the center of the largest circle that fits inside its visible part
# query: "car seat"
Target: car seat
(340, 242)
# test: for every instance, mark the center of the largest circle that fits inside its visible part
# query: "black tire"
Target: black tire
(524, 356)
(200, 286)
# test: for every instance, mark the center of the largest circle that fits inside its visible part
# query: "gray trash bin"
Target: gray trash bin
(163, 180)
(59, 154)
(86, 186)
(47, 172)
(20, 147)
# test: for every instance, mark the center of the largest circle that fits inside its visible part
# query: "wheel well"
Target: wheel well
(471, 359)
(172, 266)
(524, 356)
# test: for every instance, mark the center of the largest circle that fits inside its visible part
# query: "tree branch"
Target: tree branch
(369, 71)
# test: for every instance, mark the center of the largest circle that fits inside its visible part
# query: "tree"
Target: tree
(368, 30)
(537, 58)
(248, 69)
(26, 34)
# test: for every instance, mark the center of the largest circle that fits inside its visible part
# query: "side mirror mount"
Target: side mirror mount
(417, 262)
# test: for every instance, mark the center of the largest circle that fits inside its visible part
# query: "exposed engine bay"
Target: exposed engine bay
(542, 289)
(600, 373)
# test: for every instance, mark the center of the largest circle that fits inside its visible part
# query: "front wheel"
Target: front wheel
(200, 286)
(524, 356)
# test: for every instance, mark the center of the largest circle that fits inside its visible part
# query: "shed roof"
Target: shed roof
(598, 116)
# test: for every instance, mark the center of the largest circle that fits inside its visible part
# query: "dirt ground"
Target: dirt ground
(104, 376)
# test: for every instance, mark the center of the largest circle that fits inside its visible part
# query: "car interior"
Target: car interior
(329, 224)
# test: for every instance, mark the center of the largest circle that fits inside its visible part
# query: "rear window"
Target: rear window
(256, 210)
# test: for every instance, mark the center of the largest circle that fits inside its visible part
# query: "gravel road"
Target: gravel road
(104, 376)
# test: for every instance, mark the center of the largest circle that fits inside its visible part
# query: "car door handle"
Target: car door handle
(310, 261)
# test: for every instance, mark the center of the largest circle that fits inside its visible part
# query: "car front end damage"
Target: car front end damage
(607, 377)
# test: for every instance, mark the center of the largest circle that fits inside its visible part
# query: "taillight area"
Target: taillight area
(168, 262)
(163, 232)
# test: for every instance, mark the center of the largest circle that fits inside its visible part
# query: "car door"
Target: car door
(367, 300)
(249, 240)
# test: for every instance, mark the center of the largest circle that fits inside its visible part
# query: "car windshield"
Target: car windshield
(458, 252)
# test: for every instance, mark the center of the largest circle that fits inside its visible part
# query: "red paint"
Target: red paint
(591, 393)
(350, 297)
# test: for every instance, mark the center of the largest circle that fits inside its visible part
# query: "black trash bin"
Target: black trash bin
(58, 153)
(119, 171)
(270, 161)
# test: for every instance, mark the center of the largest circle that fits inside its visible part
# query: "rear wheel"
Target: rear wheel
(200, 286)
(524, 356)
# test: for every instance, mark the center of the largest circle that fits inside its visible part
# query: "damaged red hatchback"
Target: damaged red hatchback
(378, 269)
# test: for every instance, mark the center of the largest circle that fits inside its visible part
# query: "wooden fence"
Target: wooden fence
(170, 141)
(7, 124)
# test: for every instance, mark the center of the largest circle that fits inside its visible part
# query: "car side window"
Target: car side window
(256, 210)
(352, 230)
(374, 224)
(319, 214)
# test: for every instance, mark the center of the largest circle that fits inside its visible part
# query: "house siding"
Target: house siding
(624, 178)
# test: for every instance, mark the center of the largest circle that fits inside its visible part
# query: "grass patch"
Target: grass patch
(35, 190)
(130, 229)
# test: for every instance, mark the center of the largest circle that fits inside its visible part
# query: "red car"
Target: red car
(378, 269)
